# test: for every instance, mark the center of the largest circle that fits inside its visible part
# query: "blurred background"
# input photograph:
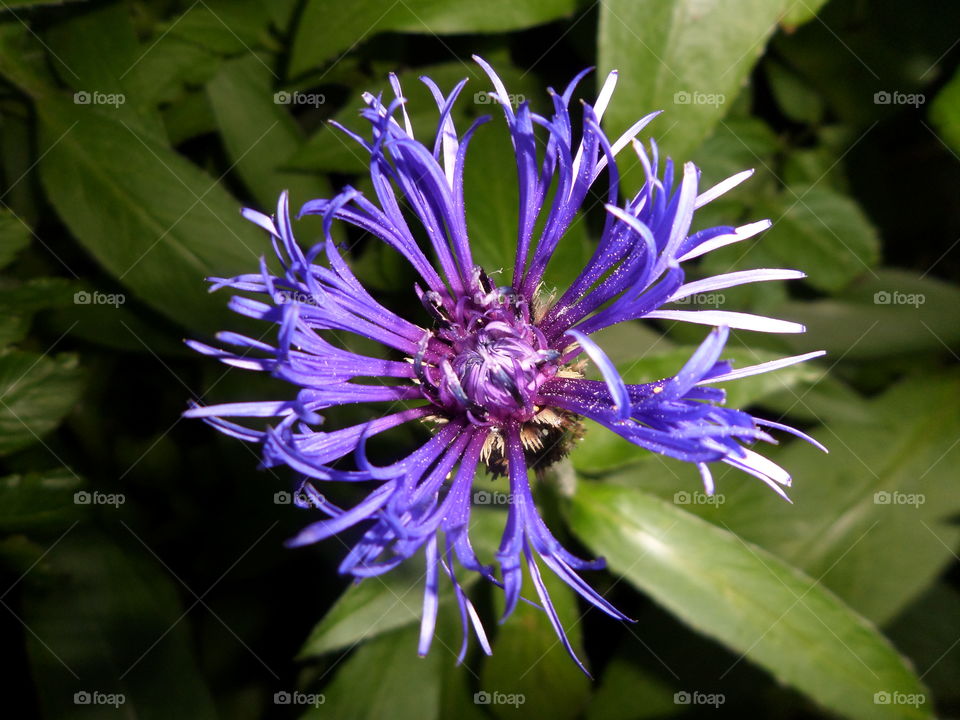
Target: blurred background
(141, 567)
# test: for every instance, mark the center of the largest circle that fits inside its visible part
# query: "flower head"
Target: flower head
(498, 372)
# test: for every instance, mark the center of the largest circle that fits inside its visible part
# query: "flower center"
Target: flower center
(485, 358)
(498, 370)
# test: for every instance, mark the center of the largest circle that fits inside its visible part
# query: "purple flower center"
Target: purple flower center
(485, 359)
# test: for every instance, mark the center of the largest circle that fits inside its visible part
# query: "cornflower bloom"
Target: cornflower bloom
(498, 372)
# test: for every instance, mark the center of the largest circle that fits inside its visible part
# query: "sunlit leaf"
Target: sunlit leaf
(749, 600)
(36, 392)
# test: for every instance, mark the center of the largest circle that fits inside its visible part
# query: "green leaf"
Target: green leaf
(627, 692)
(737, 144)
(282, 13)
(887, 313)
(327, 28)
(828, 400)
(805, 167)
(171, 67)
(381, 604)
(96, 613)
(926, 632)
(371, 608)
(747, 599)
(492, 207)
(228, 27)
(22, 193)
(945, 113)
(823, 233)
(169, 224)
(871, 520)
(128, 328)
(36, 392)
(632, 342)
(799, 13)
(20, 300)
(94, 52)
(457, 699)
(35, 294)
(37, 501)
(259, 133)
(796, 98)
(11, 4)
(18, 554)
(529, 667)
(13, 328)
(381, 268)
(330, 150)
(385, 679)
(189, 117)
(23, 60)
(14, 236)
(601, 451)
(682, 56)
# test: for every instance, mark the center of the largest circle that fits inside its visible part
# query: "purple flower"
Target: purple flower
(498, 371)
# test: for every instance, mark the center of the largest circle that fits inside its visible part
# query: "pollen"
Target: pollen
(547, 438)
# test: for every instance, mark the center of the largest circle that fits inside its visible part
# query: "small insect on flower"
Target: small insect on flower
(497, 372)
